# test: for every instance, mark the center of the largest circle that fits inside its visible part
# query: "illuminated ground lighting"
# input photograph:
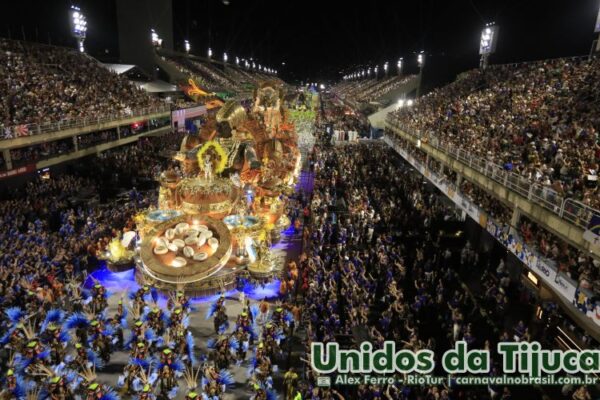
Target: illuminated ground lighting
(117, 282)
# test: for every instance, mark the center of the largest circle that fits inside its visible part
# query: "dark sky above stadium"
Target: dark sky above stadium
(318, 40)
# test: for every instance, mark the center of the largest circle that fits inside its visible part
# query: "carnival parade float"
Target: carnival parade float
(220, 211)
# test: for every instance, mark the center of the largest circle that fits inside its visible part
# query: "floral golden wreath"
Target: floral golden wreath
(222, 156)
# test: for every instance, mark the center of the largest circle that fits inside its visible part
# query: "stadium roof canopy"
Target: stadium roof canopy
(377, 119)
(119, 68)
(157, 86)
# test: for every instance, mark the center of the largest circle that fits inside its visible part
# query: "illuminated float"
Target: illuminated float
(219, 213)
(119, 255)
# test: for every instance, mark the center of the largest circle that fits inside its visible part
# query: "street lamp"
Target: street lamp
(487, 44)
(375, 70)
(237, 61)
(385, 68)
(78, 26)
(225, 57)
(209, 52)
(186, 45)
(399, 65)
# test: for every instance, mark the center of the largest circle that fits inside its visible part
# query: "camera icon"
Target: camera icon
(324, 381)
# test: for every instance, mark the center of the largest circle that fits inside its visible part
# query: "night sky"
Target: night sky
(321, 40)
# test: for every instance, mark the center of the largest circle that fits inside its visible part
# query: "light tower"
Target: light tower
(78, 26)
(487, 44)
(421, 63)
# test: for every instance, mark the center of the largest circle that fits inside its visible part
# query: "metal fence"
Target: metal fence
(26, 130)
(567, 209)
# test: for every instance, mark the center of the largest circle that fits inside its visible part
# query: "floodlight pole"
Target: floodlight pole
(484, 60)
(421, 63)
(487, 44)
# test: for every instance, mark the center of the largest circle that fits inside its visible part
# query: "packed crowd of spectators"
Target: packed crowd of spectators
(342, 122)
(42, 84)
(377, 267)
(32, 154)
(92, 139)
(42, 226)
(575, 263)
(185, 66)
(374, 89)
(537, 119)
(35, 153)
(213, 78)
(492, 206)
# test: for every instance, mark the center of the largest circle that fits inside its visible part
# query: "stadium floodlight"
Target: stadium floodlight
(225, 57)
(209, 52)
(186, 45)
(421, 59)
(421, 63)
(78, 26)
(156, 40)
(400, 65)
(487, 44)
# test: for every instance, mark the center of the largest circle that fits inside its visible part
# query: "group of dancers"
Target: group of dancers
(57, 353)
